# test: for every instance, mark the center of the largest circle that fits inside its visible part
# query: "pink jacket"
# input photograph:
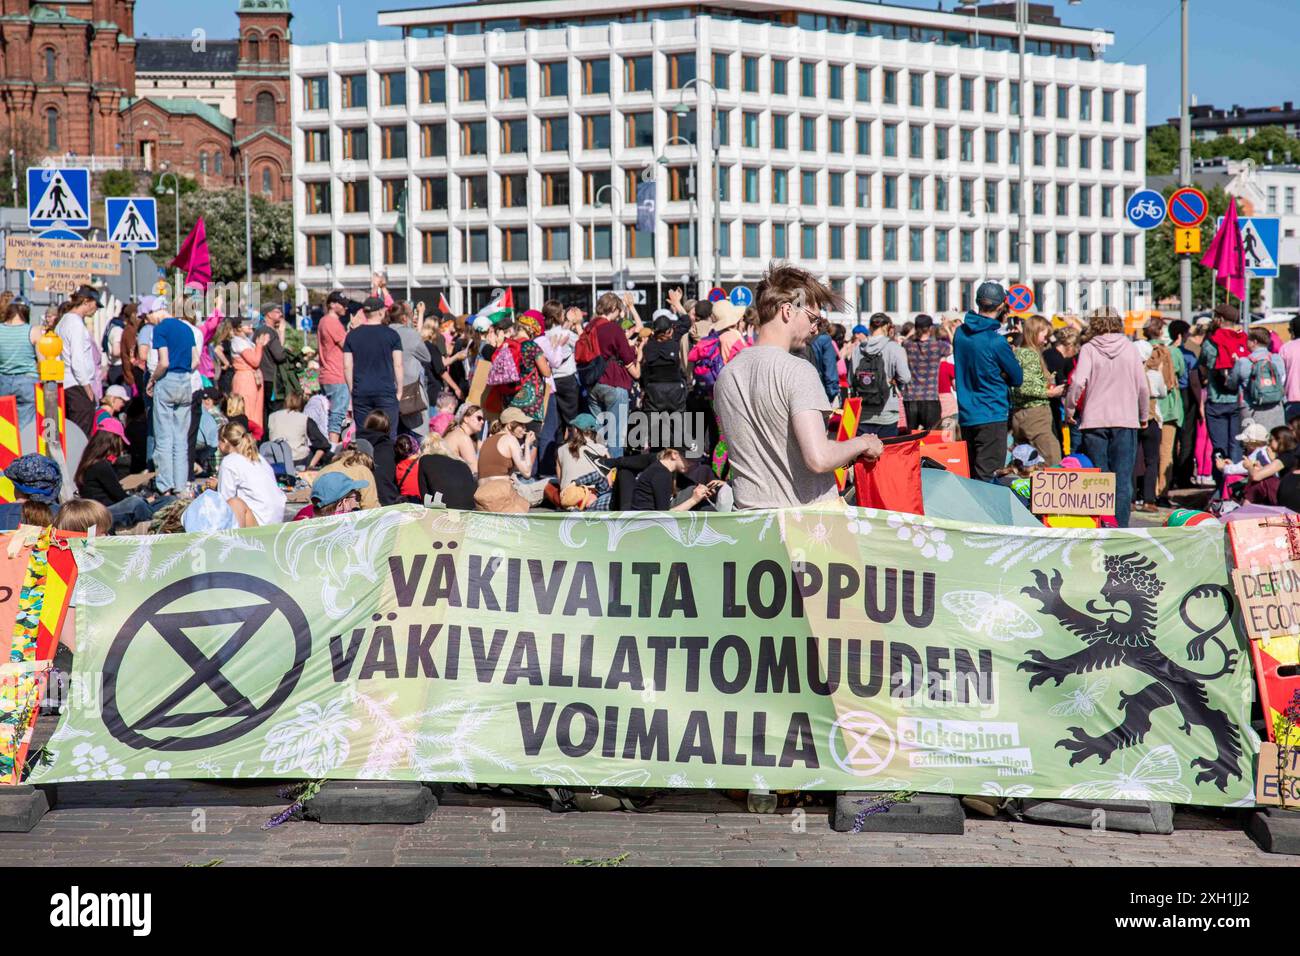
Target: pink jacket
(1110, 372)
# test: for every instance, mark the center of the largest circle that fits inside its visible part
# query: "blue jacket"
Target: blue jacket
(986, 367)
(826, 359)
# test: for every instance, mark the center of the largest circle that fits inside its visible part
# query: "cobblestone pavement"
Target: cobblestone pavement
(178, 823)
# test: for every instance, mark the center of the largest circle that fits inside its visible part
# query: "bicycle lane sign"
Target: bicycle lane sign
(1146, 209)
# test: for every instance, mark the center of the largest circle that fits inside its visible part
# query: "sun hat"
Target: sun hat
(515, 416)
(117, 391)
(1254, 432)
(208, 512)
(334, 486)
(726, 315)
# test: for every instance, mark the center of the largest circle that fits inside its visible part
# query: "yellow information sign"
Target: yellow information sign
(1187, 240)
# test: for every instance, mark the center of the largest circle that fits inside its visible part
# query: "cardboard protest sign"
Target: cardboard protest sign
(816, 648)
(1277, 778)
(62, 255)
(1056, 491)
(1270, 599)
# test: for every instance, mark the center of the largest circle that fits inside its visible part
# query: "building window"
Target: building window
(51, 61)
(778, 77)
(835, 80)
(990, 96)
(1015, 98)
(433, 139)
(473, 138)
(595, 131)
(891, 295)
(1130, 112)
(475, 245)
(1085, 105)
(595, 77)
(601, 236)
(863, 77)
(941, 245)
(392, 190)
(891, 87)
(316, 90)
(780, 186)
(1062, 200)
(265, 109)
(807, 78)
(681, 239)
(393, 142)
(1062, 102)
(915, 244)
(394, 249)
(836, 129)
(356, 196)
(1130, 155)
(1062, 249)
(1108, 106)
(354, 91)
(967, 251)
(433, 193)
(1040, 99)
(891, 192)
(682, 125)
(317, 198)
(749, 74)
(721, 70)
(514, 136)
(433, 86)
(749, 130)
(640, 129)
(1108, 249)
(319, 251)
(991, 146)
(835, 237)
(864, 244)
(474, 192)
(681, 69)
(392, 89)
(915, 193)
(514, 245)
(514, 190)
(1130, 250)
(593, 181)
(808, 134)
(750, 240)
(968, 146)
(940, 194)
(890, 145)
(555, 243)
(750, 181)
(555, 78)
(316, 141)
(967, 195)
(808, 242)
(835, 188)
(203, 163)
(219, 163)
(780, 127)
(1062, 151)
(941, 134)
(255, 49)
(555, 189)
(968, 94)
(555, 134)
(473, 84)
(638, 74)
(916, 88)
(941, 91)
(356, 248)
(991, 245)
(435, 247)
(916, 290)
(514, 81)
(779, 249)
(638, 244)
(863, 191)
(889, 244)
(808, 188)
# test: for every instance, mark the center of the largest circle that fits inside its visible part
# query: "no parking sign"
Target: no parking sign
(1020, 299)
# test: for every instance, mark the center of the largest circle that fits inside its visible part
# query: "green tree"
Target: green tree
(1269, 145)
(24, 139)
(223, 219)
(118, 182)
(1162, 151)
(1162, 260)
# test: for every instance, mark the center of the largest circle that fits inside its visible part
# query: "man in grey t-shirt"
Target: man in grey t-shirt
(772, 407)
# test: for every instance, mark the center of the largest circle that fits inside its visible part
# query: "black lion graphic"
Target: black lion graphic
(1116, 637)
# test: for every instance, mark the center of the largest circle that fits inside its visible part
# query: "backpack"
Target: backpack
(706, 364)
(587, 357)
(869, 380)
(1264, 389)
(505, 366)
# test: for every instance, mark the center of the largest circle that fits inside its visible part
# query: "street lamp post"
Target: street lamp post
(1185, 179)
(681, 110)
(176, 207)
(613, 228)
(693, 198)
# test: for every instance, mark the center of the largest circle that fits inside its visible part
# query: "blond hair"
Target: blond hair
(234, 405)
(237, 437)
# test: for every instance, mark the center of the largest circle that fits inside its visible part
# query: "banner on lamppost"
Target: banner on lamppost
(645, 206)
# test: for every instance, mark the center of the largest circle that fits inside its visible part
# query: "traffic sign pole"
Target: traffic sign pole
(134, 297)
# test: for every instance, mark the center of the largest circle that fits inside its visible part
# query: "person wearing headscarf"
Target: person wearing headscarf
(37, 481)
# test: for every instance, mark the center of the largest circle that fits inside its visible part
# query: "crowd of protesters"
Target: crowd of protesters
(218, 422)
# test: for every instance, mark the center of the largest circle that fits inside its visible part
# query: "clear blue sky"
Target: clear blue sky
(1243, 51)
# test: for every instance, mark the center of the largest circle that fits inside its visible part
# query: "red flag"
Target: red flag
(193, 258)
(443, 306)
(1225, 255)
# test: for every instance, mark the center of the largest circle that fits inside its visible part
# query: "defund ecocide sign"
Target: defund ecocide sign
(816, 648)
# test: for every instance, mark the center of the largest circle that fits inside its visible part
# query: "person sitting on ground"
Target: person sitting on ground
(356, 462)
(462, 439)
(333, 493)
(655, 489)
(772, 407)
(510, 453)
(406, 454)
(1018, 474)
(245, 480)
(97, 479)
(439, 472)
(235, 412)
(377, 430)
(79, 515)
(445, 413)
(210, 422)
(576, 461)
(290, 424)
(37, 482)
(115, 399)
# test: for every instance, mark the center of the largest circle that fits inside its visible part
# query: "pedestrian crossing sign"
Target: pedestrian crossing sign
(58, 197)
(132, 222)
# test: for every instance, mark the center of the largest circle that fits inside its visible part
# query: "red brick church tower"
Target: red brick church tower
(262, 96)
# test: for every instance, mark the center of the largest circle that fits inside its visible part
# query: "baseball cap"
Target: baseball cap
(373, 304)
(152, 303)
(585, 421)
(861, 329)
(1255, 432)
(482, 324)
(1026, 456)
(117, 391)
(114, 426)
(334, 486)
(89, 292)
(990, 294)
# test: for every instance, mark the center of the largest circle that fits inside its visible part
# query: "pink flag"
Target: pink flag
(1225, 254)
(193, 257)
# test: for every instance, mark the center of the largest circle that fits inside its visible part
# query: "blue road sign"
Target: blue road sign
(1146, 209)
(132, 222)
(741, 297)
(58, 196)
(716, 294)
(1259, 244)
(1188, 207)
(1020, 299)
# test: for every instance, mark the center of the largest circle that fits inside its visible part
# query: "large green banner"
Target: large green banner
(822, 648)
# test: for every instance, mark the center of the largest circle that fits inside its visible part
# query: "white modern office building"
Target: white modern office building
(877, 145)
